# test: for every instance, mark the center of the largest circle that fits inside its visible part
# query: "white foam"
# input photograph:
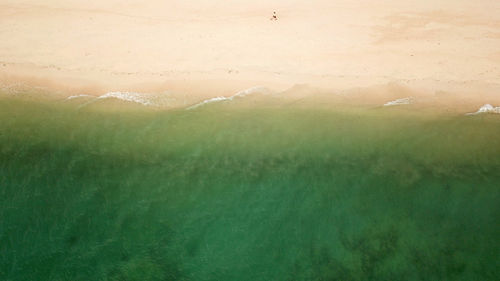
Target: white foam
(402, 101)
(78, 96)
(140, 98)
(249, 91)
(243, 93)
(487, 108)
(143, 99)
(216, 99)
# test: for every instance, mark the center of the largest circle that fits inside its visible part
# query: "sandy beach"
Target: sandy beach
(205, 140)
(202, 49)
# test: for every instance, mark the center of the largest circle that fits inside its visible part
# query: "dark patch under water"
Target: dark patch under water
(224, 193)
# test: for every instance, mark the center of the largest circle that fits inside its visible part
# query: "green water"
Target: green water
(247, 193)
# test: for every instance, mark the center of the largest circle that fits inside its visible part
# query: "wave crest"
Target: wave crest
(487, 108)
(402, 101)
(156, 100)
(253, 90)
(129, 96)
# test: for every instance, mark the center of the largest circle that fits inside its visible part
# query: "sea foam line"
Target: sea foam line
(128, 96)
(222, 98)
(402, 101)
(78, 96)
(144, 99)
(487, 108)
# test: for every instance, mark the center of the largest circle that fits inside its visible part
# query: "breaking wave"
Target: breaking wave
(243, 93)
(78, 96)
(158, 100)
(487, 108)
(402, 101)
(140, 98)
(143, 99)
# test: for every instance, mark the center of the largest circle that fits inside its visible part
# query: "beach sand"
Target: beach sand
(203, 49)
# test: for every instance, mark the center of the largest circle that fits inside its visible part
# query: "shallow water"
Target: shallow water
(247, 193)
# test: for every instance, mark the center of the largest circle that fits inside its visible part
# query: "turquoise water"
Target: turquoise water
(247, 193)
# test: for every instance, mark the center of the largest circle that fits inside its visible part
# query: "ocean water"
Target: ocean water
(235, 192)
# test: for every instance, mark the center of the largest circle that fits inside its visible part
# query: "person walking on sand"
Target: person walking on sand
(274, 17)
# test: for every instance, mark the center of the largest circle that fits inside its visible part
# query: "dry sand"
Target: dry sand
(205, 48)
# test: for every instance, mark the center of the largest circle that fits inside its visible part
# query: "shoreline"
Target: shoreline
(185, 94)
